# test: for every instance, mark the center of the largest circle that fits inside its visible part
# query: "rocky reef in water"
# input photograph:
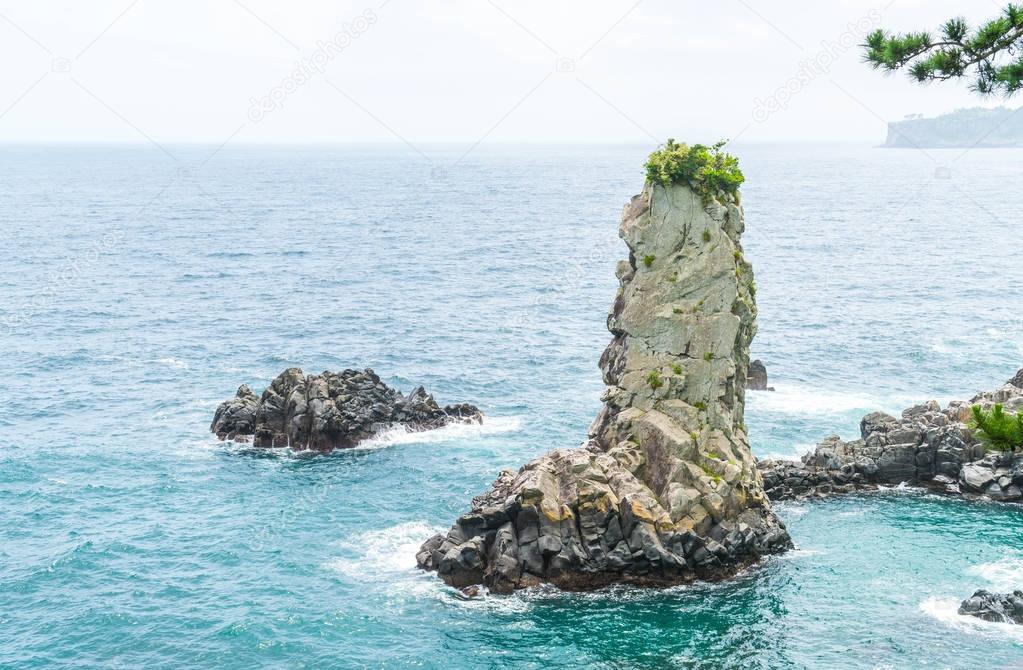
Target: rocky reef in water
(927, 446)
(666, 489)
(996, 607)
(329, 411)
(756, 378)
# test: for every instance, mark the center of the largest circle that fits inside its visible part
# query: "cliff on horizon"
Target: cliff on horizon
(964, 128)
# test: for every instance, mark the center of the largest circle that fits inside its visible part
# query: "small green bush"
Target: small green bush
(676, 368)
(706, 170)
(700, 405)
(649, 260)
(654, 379)
(998, 430)
(706, 236)
(708, 357)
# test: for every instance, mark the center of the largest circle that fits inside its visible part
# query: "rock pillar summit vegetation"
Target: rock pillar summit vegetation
(666, 489)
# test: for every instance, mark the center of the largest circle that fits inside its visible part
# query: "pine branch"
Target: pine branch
(957, 53)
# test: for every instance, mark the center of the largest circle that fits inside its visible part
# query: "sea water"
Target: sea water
(141, 287)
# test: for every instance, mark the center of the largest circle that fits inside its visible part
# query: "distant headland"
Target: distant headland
(974, 127)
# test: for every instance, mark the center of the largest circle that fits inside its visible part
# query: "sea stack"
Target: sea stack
(666, 489)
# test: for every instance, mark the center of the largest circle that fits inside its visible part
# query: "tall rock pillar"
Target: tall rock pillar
(666, 490)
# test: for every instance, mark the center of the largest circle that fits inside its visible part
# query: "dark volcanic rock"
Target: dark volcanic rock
(997, 607)
(756, 378)
(329, 411)
(928, 446)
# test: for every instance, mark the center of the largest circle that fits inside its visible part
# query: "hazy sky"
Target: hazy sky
(459, 70)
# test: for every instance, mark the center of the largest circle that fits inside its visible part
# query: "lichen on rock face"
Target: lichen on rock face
(666, 489)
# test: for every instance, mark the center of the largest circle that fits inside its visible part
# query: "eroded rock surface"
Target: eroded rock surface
(666, 489)
(927, 445)
(997, 607)
(329, 411)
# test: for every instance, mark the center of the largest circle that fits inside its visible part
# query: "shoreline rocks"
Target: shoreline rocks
(994, 607)
(329, 411)
(926, 446)
(666, 489)
(756, 378)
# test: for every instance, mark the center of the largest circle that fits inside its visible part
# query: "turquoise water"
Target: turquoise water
(139, 292)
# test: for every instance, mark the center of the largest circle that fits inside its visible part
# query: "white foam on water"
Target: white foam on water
(173, 363)
(797, 553)
(387, 558)
(1005, 574)
(790, 509)
(492, 425)
(803, 400)
(793, 453)
(946, 610)
(377, 555)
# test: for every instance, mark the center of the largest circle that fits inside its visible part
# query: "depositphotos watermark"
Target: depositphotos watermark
(815, 66)
(307, 68)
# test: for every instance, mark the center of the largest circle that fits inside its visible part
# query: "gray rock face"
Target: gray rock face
(996, 607)
(927, 445)
(329, 411)
(666, 489)
(756, 378)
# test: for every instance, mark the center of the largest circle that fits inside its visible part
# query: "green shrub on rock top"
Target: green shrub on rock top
(706, 170)
(998, 430)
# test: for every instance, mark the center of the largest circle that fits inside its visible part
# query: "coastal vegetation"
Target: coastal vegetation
(707, 170)
(997, 429)
(991, 53)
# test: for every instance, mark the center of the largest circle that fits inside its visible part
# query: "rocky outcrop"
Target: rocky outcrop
(927, 445)
(996, 607)
(329, 411)
(666, 489)
(756, 378)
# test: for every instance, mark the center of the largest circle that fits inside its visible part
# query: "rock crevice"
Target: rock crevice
(666, 489)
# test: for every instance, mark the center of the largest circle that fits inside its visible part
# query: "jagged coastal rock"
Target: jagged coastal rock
(756, 378)
(927, 445)
(996, 607)
(666, 490)
(329, 411)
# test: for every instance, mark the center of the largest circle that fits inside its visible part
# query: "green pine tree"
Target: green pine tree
(992, 54)
(998, 430)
